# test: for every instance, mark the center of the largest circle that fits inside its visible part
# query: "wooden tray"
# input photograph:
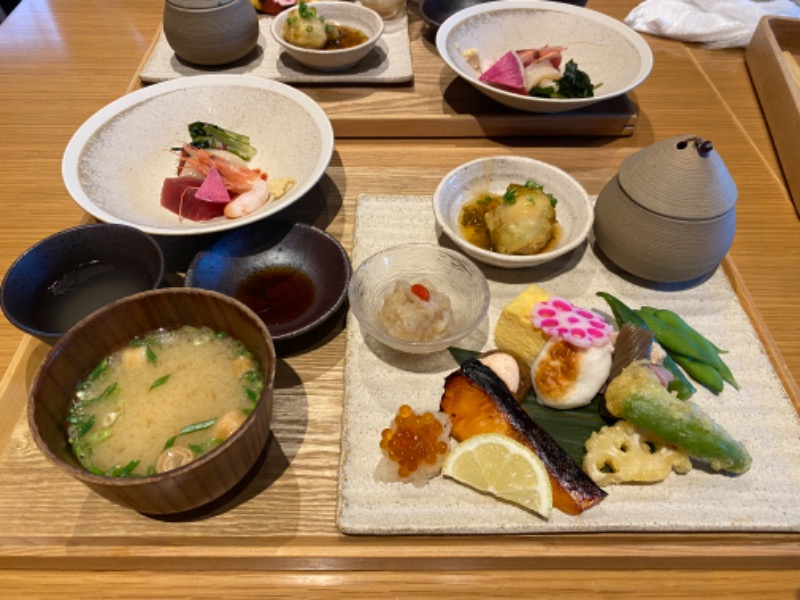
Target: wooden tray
(778, 91)
(440, 104)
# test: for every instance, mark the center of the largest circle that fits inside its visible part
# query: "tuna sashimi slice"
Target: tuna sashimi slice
(507, 74)
(213, 188)
(179, 195)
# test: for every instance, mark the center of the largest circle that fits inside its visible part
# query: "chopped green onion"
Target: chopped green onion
(197, 426)
(160, 381)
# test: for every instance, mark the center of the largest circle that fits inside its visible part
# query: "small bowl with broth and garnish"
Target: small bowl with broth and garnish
(160, 402)
(512, 211)
(328, 36)
(64, 277)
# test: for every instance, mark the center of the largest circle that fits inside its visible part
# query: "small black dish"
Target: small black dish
(435, 12)
(63, 278)
(293, 275)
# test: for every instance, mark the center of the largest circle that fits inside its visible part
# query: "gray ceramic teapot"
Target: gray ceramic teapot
(670, 212)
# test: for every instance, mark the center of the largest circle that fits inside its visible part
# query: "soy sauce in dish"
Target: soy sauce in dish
(87, 287)
(278, 295)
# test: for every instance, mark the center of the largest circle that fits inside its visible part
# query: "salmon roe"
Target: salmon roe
(414, 440)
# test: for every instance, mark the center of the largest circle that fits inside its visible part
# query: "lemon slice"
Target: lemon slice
(502, 467)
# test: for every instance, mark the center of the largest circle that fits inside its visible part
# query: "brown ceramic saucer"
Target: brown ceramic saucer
(293, 275)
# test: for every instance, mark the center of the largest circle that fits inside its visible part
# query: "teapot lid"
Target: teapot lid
(681, 177)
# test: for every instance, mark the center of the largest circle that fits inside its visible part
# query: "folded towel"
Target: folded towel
(714, 23)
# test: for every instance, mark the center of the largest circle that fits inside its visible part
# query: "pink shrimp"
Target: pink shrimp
(238, 179)
(249, 201)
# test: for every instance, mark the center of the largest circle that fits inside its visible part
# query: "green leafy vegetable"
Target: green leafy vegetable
(207, 135)
(574, 83)
(197, 426)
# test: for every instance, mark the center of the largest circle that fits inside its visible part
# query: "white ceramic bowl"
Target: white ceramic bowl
(342, 13)
(610, 52)
(115, 164)
(451, 272)
(574, 210)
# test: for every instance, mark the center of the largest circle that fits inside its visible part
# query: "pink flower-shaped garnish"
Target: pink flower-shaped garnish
(578, 326)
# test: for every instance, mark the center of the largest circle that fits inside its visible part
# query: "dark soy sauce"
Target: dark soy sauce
(278, 295)
(84, 289)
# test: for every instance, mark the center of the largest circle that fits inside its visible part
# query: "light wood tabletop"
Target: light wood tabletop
(62, 61)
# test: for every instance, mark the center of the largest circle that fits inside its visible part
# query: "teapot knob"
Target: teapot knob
(703, 147)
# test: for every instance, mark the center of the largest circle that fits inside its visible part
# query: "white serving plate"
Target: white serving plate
(610, 52)
(116, 162)
(378, 381)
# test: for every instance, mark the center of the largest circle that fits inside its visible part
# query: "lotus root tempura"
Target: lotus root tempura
(162, 401)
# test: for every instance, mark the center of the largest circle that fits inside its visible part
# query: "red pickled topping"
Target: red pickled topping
(413, 441)
(421, 292)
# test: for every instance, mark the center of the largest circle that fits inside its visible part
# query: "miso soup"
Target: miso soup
(162, 401)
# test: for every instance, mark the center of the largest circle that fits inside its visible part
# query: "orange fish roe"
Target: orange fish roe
(414, 440)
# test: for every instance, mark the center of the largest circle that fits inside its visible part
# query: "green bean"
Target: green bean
(703, 373)
(685, 425)
(624, 314)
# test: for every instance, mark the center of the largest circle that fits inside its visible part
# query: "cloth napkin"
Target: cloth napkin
(714, 23)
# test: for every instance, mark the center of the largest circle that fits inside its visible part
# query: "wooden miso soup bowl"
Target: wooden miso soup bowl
(84, 346)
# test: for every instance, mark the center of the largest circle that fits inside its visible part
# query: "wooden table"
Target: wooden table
(64, 60)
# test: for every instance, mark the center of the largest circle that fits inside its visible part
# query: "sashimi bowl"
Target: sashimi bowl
(547, 215)
(198, 154)
(543, 56)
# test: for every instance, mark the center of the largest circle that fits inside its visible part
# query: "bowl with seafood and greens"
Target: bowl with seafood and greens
(544, 57)
(512, 211)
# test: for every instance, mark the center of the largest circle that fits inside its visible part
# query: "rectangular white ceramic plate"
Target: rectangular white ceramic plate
(389, 61)
(378, 381)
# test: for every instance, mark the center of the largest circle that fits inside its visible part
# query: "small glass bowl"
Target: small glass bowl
(452, 273)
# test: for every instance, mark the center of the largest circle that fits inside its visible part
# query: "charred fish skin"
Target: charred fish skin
(573, 490)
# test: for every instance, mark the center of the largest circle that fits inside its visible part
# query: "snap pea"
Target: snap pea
(675, 341)
(673, 319)
(703, 373)
(681, 340)
(624, 314)
(685, 425)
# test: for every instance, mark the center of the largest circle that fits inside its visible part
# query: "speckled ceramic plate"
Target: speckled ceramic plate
(287, 247)
(378, 381)
(115, 164)
(610, 52)
(388, 62)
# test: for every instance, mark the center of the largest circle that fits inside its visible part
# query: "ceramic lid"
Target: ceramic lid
(681, 177)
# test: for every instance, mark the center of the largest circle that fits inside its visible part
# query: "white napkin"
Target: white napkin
(714, 23)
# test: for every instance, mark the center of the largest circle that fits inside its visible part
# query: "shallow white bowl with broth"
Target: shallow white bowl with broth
(116, 162)
(610, 52)
(348, 14)
(574, 210)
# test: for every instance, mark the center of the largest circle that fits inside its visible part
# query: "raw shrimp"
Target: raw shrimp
(237, 178)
